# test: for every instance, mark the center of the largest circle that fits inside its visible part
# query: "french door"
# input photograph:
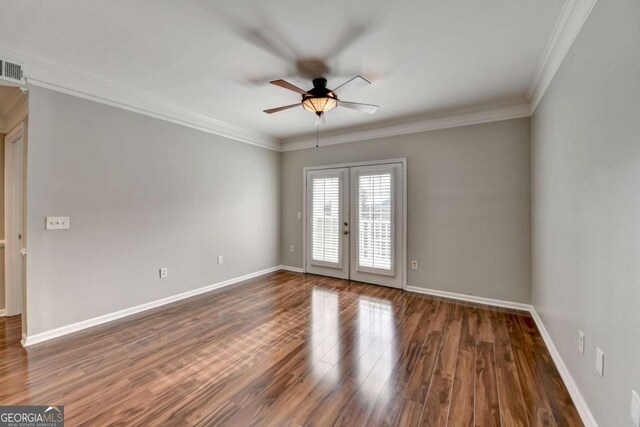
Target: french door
(354, 220)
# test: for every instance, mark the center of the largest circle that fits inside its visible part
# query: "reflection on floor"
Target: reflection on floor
(290, 349)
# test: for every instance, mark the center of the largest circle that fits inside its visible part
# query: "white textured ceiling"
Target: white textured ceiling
(215, 58)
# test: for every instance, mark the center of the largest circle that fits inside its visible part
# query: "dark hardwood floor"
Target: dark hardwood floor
(290, 349)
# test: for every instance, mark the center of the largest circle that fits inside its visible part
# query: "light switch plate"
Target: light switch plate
(57, 223)
(291, 249)
(600, 361)
(414, 265)
(635, 408)
(299, 215)
(163, 272)
(220, 259)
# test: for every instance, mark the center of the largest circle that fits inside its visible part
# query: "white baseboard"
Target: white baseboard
(572, 387)
(75, 327)
(292, 269)
(471, 298)
(3, 312)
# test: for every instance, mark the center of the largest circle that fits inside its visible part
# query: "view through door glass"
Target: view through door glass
(375, 234)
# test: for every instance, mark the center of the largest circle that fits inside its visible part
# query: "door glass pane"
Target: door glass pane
(374, 221)
(326, 219)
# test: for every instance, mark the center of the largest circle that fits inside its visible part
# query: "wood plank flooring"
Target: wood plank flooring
(289, 349)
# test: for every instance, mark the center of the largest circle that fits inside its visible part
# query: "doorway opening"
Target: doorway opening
(354, 222)
(13, 136)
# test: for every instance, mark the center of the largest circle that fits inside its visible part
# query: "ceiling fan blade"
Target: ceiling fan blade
(365, 108)
(285, 84)
(263, 41)
(356, 82)
(352, 35)
(286, 107)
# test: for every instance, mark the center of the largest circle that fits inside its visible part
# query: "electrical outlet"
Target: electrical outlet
(163, 272)
(581, 341)
(414, 265)
(600, 362)
(299, 215)
(290, 248)
(635, 408)
(220, 259)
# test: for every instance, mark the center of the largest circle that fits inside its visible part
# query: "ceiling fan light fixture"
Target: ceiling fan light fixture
(320, 104)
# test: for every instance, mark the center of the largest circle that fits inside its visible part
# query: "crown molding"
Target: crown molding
(61, 79)
(461, 118)
(572, 17)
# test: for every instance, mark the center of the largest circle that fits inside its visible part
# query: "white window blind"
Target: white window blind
(326, 219)
(375, 226)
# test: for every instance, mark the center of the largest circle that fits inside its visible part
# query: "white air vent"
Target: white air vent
(11, 71)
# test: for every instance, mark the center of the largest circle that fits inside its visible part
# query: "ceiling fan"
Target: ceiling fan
(319, 100)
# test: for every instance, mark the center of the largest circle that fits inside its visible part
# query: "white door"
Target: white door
(13, 148)
(376, 218)
(354, 223)
(327, 238)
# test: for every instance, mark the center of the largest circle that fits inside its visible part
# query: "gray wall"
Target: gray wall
(468, 205)
(586, 208)
(141, 194)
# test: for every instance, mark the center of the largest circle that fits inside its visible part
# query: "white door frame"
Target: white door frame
(13, 165)
(402, 160)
